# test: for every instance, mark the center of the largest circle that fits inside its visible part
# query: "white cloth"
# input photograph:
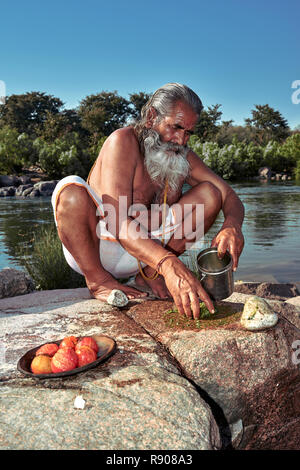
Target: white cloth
(113, 257)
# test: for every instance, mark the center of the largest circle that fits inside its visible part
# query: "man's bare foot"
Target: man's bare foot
(157, 286)
(101, 292)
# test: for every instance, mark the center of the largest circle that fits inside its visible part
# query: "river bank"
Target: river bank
(32, 183)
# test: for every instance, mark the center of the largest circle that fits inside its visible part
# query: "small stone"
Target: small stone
(257, 314)
(79, 403)
(117, 298)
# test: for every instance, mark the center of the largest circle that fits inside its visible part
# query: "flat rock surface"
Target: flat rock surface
(166, 387)
(242, 374)
(137, 399)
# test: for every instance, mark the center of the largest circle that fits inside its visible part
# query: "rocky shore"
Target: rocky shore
(25, 186)
(217, 387)
(266, 173)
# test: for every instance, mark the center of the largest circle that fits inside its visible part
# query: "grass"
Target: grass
(46, 264)
(223, 315)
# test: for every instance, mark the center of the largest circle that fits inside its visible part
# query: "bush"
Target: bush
(63, 157)
(237, 160)
(241, 160)
(16, 150)
(297, 171)
(46, 264)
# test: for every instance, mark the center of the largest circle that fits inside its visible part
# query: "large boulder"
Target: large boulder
(14, 282)
(166, 387)
(246, 377)
(136, 400)
(7, 191)
(45, 188)
(268, 290)
(24, 179)
(23, 187)
(8, 180)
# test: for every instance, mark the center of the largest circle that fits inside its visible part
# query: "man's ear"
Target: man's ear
(151, 116)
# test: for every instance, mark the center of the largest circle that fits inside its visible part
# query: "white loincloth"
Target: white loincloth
(113, 257)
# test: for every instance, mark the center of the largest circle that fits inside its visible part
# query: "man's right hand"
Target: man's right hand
(185, 288)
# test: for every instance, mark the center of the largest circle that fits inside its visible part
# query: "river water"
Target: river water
(271, 230)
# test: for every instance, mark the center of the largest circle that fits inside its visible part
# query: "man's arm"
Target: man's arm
(119, 160)
(230, 236)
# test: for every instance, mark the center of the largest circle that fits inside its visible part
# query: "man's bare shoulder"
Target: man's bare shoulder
(123, 139)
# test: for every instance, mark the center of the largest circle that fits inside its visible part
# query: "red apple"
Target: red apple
(48, 349)
(87, 341)
(69, 342)
(41, 365)
(63, 360)
(85, 355)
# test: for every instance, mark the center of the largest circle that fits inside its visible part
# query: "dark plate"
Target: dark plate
(107, 346)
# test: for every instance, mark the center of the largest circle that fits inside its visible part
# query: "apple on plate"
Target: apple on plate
(48, 349)
(85, 355)
(69, 342)
(41, 365)
(87, 341)
(64, 359)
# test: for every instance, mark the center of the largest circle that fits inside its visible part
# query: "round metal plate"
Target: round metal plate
(107, 346)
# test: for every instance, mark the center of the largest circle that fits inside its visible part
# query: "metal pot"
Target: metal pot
(217, 276)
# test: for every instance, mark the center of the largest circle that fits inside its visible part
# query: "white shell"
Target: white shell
(117, 298)
(79, 402)
(257, 314)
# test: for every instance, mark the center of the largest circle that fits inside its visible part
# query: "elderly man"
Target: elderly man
(104, 223)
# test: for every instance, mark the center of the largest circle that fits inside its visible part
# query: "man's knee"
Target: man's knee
(74, 199)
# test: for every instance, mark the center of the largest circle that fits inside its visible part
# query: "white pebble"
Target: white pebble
(117, 298)
(79, 402)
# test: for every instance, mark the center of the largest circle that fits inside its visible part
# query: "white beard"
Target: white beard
(165, 160)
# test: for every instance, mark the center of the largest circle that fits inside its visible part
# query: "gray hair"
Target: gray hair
(163, 100)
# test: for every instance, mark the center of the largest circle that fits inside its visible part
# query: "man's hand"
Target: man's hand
(229, 238)
(185, 288)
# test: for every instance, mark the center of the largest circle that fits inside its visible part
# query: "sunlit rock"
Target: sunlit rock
(257, 314)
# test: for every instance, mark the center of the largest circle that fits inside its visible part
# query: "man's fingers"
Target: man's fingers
(234, 259)
(207, 300)
(187, 306)
(179, 305)
(194, 299)
(214, 243)
(222, 247)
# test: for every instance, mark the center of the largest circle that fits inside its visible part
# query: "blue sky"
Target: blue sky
(231, 52)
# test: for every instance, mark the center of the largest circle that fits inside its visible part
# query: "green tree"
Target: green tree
(227, 133)
(28, 112)
(58, 125)
(207, 127)
(268, 124)
(137, 100)
(103, 113)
